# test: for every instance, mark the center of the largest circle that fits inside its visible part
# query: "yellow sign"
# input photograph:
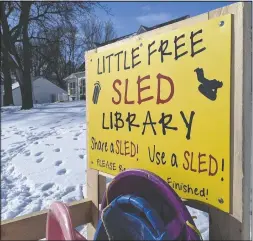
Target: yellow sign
(162, 103)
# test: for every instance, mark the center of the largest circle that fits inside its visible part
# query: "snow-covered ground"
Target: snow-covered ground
(43, 159)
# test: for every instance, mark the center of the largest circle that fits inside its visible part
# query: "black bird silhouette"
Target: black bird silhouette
(207, 87)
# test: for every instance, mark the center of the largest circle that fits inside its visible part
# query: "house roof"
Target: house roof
(143, 29)
(75, 75)
(16, 84)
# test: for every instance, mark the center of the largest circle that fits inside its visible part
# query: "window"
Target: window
(82, 86)
(72, 88)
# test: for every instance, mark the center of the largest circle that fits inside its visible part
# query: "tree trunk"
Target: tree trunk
(27, 98)
(8, 99)
(9, 45)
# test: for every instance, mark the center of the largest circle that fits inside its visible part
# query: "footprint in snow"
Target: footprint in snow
(81, 156)
(40, 160)
(58, 163)
(78, 134)
(61, 172)
(18, 143)
(47, 186)
(36, 143)
(57, 150)
(28, 153)
(70, 189)
(75, 139)
(38, 153)
(33, 128)
(58, 137)
(24, 179)
(11, 170)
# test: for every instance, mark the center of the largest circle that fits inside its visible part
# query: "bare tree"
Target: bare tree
(5, 68)
(62, 49)
(109, 31)
(21, 23)
(26, 84)
(95, 31)
(5, 55)
(55, 53)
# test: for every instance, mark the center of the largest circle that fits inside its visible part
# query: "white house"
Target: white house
(44, 91)
(76, 86)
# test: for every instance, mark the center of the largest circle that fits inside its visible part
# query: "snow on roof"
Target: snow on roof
(75, 75)
(16, 84)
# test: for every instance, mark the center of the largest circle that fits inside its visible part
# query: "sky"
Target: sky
(128, 16)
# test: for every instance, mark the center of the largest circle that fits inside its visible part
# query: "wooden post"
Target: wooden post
(33, 226)
(92, 193)
(96, 185)
(101, 187)
(247, 118)
(237, 224)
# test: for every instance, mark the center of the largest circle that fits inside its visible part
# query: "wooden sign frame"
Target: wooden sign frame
(235, 225)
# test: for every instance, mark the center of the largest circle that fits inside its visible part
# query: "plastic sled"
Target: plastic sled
(160, 198)
(130, 217)
(59, 225)
(137, 205)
